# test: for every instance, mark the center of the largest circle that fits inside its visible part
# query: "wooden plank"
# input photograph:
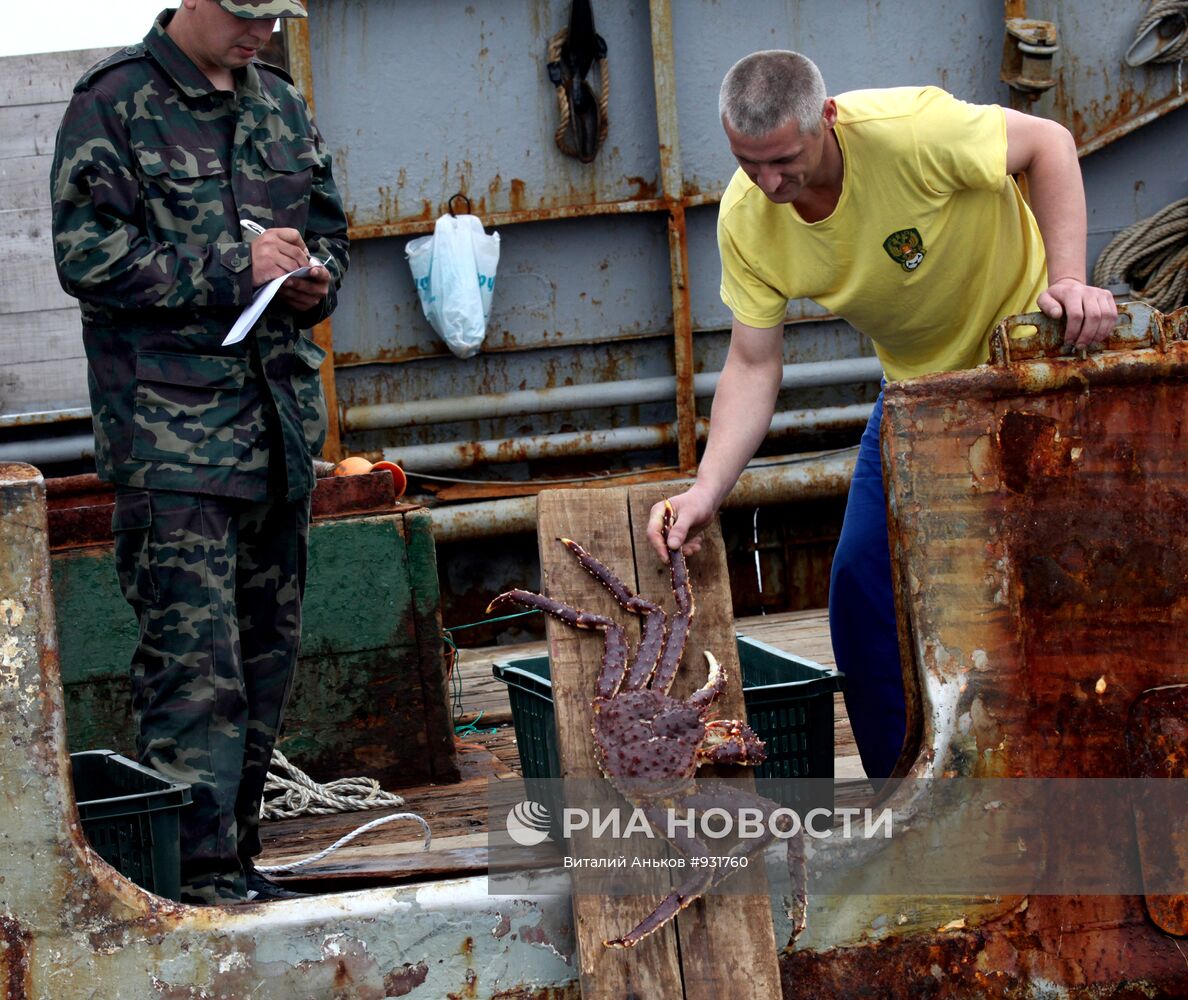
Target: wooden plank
(27, 230)
(25, 182)
(30, 284)
(455, 813)
(29, 130)
(44, 77)
(598, 519)
(485, 699)
(42, 336)
(30, 387)
(805, 633)
(717, 954)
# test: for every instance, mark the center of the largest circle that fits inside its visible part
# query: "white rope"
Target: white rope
(343, 841)
(300, 795)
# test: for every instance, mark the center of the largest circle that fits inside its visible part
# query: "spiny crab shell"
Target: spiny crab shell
(648, 743)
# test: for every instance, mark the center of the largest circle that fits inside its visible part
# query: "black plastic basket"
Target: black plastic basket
(789, 705)
(129, 814)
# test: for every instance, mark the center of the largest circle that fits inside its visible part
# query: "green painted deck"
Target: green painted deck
(371, 682)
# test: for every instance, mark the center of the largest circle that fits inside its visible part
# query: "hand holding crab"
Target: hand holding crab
(646, 742)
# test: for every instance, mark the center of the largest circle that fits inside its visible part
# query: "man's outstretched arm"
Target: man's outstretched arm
(743, 405)
(1044, 151)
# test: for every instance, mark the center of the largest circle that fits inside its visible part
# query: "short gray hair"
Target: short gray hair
(766, 90)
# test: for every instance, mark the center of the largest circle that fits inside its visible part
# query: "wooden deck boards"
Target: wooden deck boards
(457, 813)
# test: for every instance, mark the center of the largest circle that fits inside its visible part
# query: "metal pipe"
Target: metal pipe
(48, 450)
(664, 84)
(630, 392)
(36, 419)
(803, 477)
(463, 454)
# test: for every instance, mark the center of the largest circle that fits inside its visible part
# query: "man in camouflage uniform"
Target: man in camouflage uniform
(165, 147)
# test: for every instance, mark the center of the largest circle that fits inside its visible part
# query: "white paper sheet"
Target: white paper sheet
(264, 294)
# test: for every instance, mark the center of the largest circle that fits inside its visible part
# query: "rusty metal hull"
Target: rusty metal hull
(1038, 516)
(71, 928)
(1039, 526)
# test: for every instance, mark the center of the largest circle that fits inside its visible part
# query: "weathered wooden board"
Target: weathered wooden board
(26, 230)
(729, 946)
(25, 182)
(727, 941)
(31, 283)
(33, 386)
(48, 335)
(44, 77)
(599, 520)
(29, 130)
(43, 366)
(456, 814)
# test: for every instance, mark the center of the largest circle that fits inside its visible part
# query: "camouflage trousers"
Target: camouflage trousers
(216, 585)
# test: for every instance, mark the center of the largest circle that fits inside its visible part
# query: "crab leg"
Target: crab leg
(674, 648)
(652, 642)
(614, 652)
(704, 877)
(687, 892)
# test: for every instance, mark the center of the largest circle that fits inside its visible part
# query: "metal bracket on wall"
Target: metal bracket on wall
(1027, 52)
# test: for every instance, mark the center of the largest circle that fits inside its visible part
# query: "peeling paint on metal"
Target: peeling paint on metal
(15, 945)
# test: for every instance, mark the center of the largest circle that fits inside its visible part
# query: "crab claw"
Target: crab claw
(669, 519)
(730, 742)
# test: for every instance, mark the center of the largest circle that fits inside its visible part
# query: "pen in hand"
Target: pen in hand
(252, 229)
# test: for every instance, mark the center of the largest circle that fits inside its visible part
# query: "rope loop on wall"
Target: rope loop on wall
(577, 135)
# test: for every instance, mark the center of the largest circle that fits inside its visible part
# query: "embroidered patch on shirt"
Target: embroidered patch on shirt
(906, 248)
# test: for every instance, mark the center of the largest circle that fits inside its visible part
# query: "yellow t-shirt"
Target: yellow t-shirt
(930, 245)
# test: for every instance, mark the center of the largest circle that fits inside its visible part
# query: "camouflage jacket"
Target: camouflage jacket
(152, 172)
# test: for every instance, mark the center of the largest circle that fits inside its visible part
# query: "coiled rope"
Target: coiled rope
(300, 795)
(1152, 257)
(1173, 11)
(564, 136)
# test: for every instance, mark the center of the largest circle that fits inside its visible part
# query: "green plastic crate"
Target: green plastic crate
(129, 814)
(789, 705)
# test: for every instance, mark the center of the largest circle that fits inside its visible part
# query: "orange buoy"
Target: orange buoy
(354, 465)
(399, 479)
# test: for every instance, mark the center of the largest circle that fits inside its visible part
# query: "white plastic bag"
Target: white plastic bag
(454, 270)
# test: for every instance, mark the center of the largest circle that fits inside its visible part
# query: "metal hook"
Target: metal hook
(450, 204)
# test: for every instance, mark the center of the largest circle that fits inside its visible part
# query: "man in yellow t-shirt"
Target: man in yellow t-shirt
(895, 209)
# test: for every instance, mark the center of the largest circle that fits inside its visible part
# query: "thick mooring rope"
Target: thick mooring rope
(562, 137)
(302, 796)
(1152, 257)
(1158, 10)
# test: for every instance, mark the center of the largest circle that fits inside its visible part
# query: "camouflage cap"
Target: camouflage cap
(264, 8)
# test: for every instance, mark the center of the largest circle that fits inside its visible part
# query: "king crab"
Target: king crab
(649, 744)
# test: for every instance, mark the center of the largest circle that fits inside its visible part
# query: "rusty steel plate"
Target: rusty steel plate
(1157, 741)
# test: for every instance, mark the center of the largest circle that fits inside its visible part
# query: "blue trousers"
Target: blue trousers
(862, 614)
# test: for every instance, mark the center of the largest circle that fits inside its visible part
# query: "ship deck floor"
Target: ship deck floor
(457, 813)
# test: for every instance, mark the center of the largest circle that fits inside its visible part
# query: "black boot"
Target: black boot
(262, 889)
